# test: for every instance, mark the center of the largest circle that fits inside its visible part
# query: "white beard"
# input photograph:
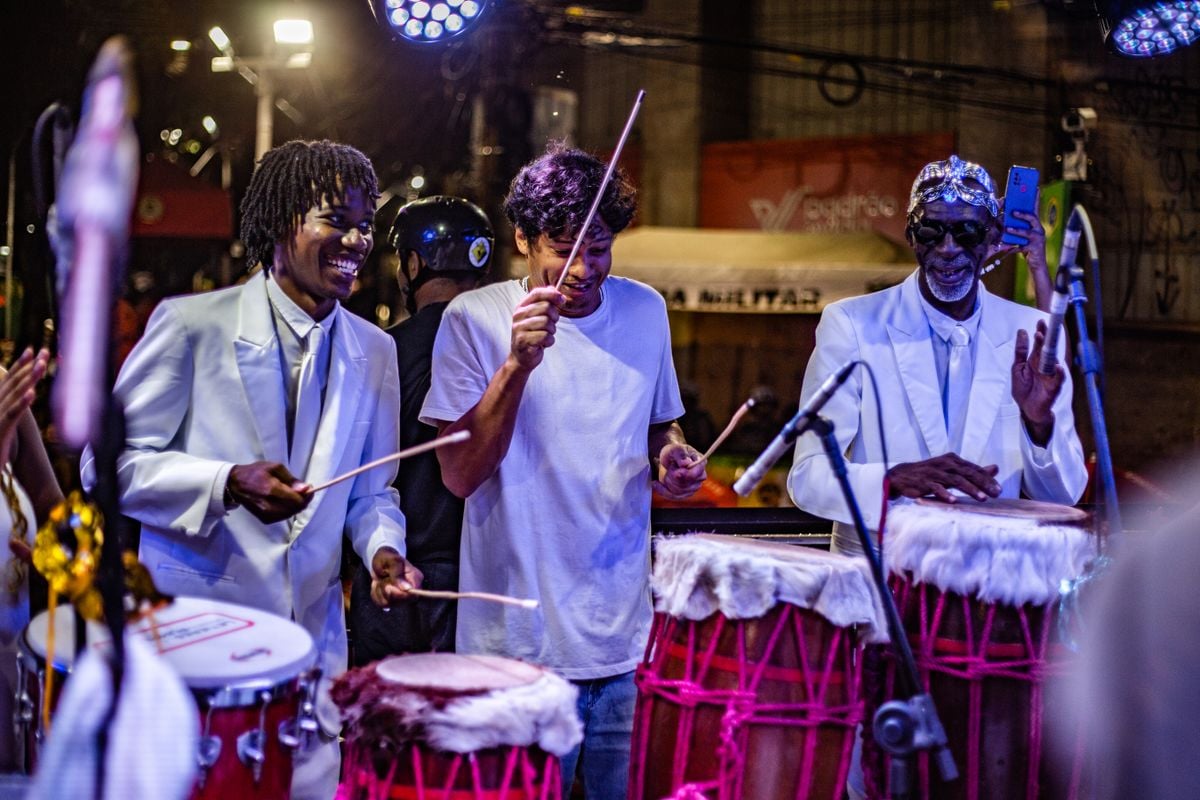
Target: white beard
(950, 294)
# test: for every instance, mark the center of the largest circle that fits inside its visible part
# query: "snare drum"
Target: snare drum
(750, 687)
(977, 585)
(250, 672)
(455, 726)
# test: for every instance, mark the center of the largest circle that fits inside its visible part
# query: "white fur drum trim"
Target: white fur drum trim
(378, 711)
(697, 575)
(994, 559)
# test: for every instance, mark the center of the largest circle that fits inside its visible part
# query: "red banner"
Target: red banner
(835, 185)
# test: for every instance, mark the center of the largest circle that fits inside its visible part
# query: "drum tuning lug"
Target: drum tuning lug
(251, 751)
(287, 734)
(208, 750)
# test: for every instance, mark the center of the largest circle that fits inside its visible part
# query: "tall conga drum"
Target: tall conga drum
(750, 687)
(457, 727)
(249, 671)
(977, 587)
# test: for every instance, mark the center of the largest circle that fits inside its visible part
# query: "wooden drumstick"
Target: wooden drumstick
(457, 436)
(612, 165)
(486, 596)
(737, 417)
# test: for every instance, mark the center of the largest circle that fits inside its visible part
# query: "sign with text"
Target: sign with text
(834, 185)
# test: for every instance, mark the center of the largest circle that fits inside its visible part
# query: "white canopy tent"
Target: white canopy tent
(749, 271)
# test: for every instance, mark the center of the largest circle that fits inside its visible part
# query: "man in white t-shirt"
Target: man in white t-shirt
(571, 401)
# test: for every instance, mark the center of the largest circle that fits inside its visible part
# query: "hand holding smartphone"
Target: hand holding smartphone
(1020, 195)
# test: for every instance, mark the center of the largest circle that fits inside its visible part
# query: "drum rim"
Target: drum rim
(233, 690)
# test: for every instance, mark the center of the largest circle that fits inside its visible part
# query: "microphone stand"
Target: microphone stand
(902, 727)
(1090, 365)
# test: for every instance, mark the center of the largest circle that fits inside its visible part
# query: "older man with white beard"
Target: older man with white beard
(965, 410)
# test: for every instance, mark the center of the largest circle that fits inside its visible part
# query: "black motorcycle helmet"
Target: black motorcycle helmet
(450, 234)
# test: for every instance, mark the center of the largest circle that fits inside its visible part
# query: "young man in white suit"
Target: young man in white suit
(239, 401)
(981, 421)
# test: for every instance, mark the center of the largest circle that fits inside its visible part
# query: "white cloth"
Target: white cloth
(889, 331)
(152, 741)
(565, 518)
(14, 616)
(203, 391)
(958, 385)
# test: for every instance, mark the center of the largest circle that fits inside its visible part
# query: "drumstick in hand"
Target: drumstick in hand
(491, 598)
(457, 436)
(737, 417)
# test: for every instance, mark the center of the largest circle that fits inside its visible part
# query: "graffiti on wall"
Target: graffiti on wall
(1144, 199)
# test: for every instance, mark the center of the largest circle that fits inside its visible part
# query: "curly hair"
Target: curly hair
(291, 179)
(553, 193)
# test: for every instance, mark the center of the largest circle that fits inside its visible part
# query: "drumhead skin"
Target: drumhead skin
(457, 673)
(1038, 511)
(211, 644)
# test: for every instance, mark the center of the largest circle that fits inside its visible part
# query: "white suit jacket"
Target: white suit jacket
(204, 390)
(889, 331)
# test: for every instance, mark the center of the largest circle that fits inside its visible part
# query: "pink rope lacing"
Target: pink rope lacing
(980, 658)
(741, 709)
(521, 779)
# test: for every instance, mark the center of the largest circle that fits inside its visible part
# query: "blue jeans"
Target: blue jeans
(606, 709)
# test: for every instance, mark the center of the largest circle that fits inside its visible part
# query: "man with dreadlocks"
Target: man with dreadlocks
(571, 401)
(240, 400)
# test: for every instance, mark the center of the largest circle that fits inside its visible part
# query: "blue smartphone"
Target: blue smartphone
(1021, 195)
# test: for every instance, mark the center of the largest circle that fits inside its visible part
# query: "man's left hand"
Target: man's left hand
(680, 471)
(392, 577)
(1034, 392)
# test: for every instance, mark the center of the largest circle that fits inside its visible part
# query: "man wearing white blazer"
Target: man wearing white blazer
(241, 400)
(965, 409)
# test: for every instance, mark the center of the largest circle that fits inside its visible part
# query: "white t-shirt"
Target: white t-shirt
(566, 517)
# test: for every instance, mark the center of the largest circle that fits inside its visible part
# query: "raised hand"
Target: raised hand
(534, 321)
(17, 392)
(1033, 392)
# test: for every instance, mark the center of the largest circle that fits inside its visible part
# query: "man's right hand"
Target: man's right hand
(534, 321)
(937, 476)
(268, 490)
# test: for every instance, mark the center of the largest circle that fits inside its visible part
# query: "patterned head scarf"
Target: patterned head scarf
(947, 180)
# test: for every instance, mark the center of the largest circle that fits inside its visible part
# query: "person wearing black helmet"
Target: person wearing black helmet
(445, 248)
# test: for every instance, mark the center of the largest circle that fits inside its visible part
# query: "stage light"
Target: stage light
(293, 31)
(210, 125)
(427, 21)
(181, 45)
(1141, 29)
(219, 38)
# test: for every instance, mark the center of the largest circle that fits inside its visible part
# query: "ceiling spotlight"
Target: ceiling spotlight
(1144, 29)
(427, 21)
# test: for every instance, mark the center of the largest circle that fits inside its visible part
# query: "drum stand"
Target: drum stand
(902, 727)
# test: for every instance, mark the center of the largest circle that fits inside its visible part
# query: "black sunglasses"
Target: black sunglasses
(967, 233)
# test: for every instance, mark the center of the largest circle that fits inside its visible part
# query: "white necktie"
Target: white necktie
(958, 386)
(308, 401)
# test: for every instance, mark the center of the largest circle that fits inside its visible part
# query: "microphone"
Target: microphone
(1059, 300)
(95, 204)
(794, 427)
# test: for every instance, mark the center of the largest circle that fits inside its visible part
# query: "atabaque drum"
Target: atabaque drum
(251, 673)
(977, 587)
(750, 687)
(455, 727)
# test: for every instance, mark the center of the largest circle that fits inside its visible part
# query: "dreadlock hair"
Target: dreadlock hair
(553, 193)
(293, 178)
